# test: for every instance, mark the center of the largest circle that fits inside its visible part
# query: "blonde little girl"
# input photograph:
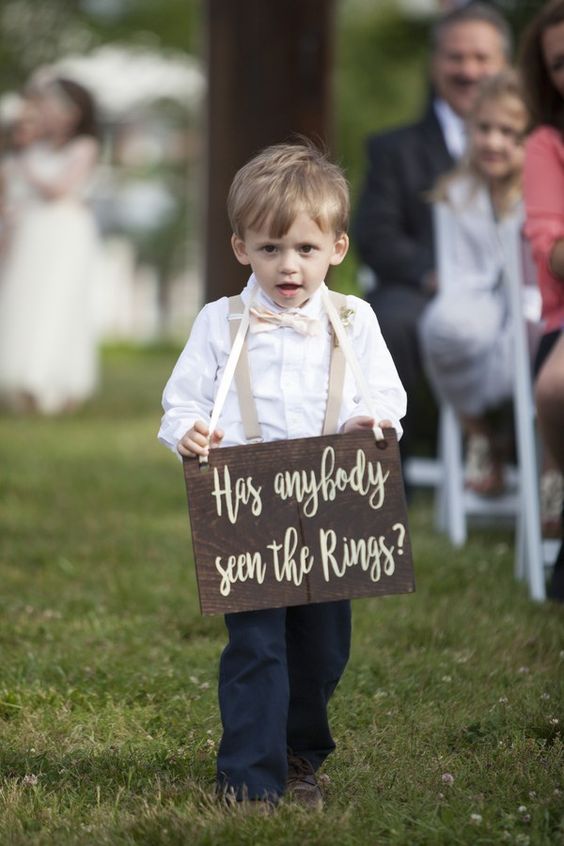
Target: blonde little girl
(466, 331)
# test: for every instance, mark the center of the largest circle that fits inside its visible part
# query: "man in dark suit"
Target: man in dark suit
(393, 227)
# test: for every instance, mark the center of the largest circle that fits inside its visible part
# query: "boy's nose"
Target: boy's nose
(288, 264)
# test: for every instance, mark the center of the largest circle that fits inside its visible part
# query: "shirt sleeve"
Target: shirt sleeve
(387, 395)
(190, 392)
(543, 185)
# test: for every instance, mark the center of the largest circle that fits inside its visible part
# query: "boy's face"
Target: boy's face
(290, 269)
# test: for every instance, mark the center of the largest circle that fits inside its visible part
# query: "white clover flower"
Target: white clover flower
(475, 819)
(30, 780)
(447, 778)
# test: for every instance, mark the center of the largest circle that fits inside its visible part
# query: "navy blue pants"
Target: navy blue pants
(276, 676)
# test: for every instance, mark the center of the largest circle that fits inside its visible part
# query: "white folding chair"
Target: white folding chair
(454, 503)
(529, 552)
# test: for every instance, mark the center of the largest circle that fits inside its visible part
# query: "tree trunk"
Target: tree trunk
(269, 66)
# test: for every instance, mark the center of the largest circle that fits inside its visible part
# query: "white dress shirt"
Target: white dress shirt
(289, 374)
(453, 128)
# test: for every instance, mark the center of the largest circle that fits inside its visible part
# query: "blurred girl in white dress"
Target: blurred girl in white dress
(48, 356)
(22, 132)
(466, 330)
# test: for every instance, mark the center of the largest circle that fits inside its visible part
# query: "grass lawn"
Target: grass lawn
(448, 720)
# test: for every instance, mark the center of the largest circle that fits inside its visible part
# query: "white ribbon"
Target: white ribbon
(229, 372)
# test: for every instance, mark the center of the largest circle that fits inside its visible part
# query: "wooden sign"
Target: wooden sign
(299, 521)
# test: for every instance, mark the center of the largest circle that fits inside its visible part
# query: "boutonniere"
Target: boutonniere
(346, 315)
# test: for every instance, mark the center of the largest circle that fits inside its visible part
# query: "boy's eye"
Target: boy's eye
(269, 248)
(307, 248)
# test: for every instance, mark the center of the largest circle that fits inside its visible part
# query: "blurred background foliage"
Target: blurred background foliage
(35, 33)
(380, 79)
(380, 76)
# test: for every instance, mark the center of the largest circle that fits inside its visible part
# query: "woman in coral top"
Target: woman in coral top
(542, 62)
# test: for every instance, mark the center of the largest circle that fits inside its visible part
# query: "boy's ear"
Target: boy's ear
(240, 249)
(340, 249)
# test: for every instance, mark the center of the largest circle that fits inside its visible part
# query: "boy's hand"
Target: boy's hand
(195, 441)
(359, 424)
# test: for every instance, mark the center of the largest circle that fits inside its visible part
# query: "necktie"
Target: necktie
(263, 320)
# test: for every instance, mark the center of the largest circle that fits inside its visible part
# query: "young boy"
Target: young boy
(289, 209)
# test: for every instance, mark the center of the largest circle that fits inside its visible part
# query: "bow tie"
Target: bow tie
(265, 321)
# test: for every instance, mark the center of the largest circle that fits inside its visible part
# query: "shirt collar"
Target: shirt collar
(453, 128)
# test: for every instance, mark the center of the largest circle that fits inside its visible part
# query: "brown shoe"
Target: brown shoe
(302, 784)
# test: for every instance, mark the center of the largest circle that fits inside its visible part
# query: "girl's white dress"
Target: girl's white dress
(465, 331)
(47, 333)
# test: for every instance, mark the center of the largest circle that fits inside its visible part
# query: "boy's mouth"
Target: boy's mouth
(288, 287)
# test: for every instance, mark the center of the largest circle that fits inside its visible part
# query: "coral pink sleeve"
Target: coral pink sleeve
(543, 186)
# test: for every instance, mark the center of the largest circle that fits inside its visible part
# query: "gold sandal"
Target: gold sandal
(484, 473)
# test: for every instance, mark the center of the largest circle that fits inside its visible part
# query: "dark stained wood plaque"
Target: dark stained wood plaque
(299, 521)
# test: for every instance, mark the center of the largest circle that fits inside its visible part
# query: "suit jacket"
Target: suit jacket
(393, 227)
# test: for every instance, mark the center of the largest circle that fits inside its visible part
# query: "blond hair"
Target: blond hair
(283, 180)
(503, 86)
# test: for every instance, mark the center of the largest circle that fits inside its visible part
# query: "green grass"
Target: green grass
(108, 714)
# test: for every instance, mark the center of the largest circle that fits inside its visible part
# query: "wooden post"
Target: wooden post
(269, 67)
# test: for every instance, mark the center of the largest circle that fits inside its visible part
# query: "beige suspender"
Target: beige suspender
(337, 370)
(247, 404)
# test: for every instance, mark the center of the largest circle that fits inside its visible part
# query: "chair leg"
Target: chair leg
(520, 546)
(450, 513)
